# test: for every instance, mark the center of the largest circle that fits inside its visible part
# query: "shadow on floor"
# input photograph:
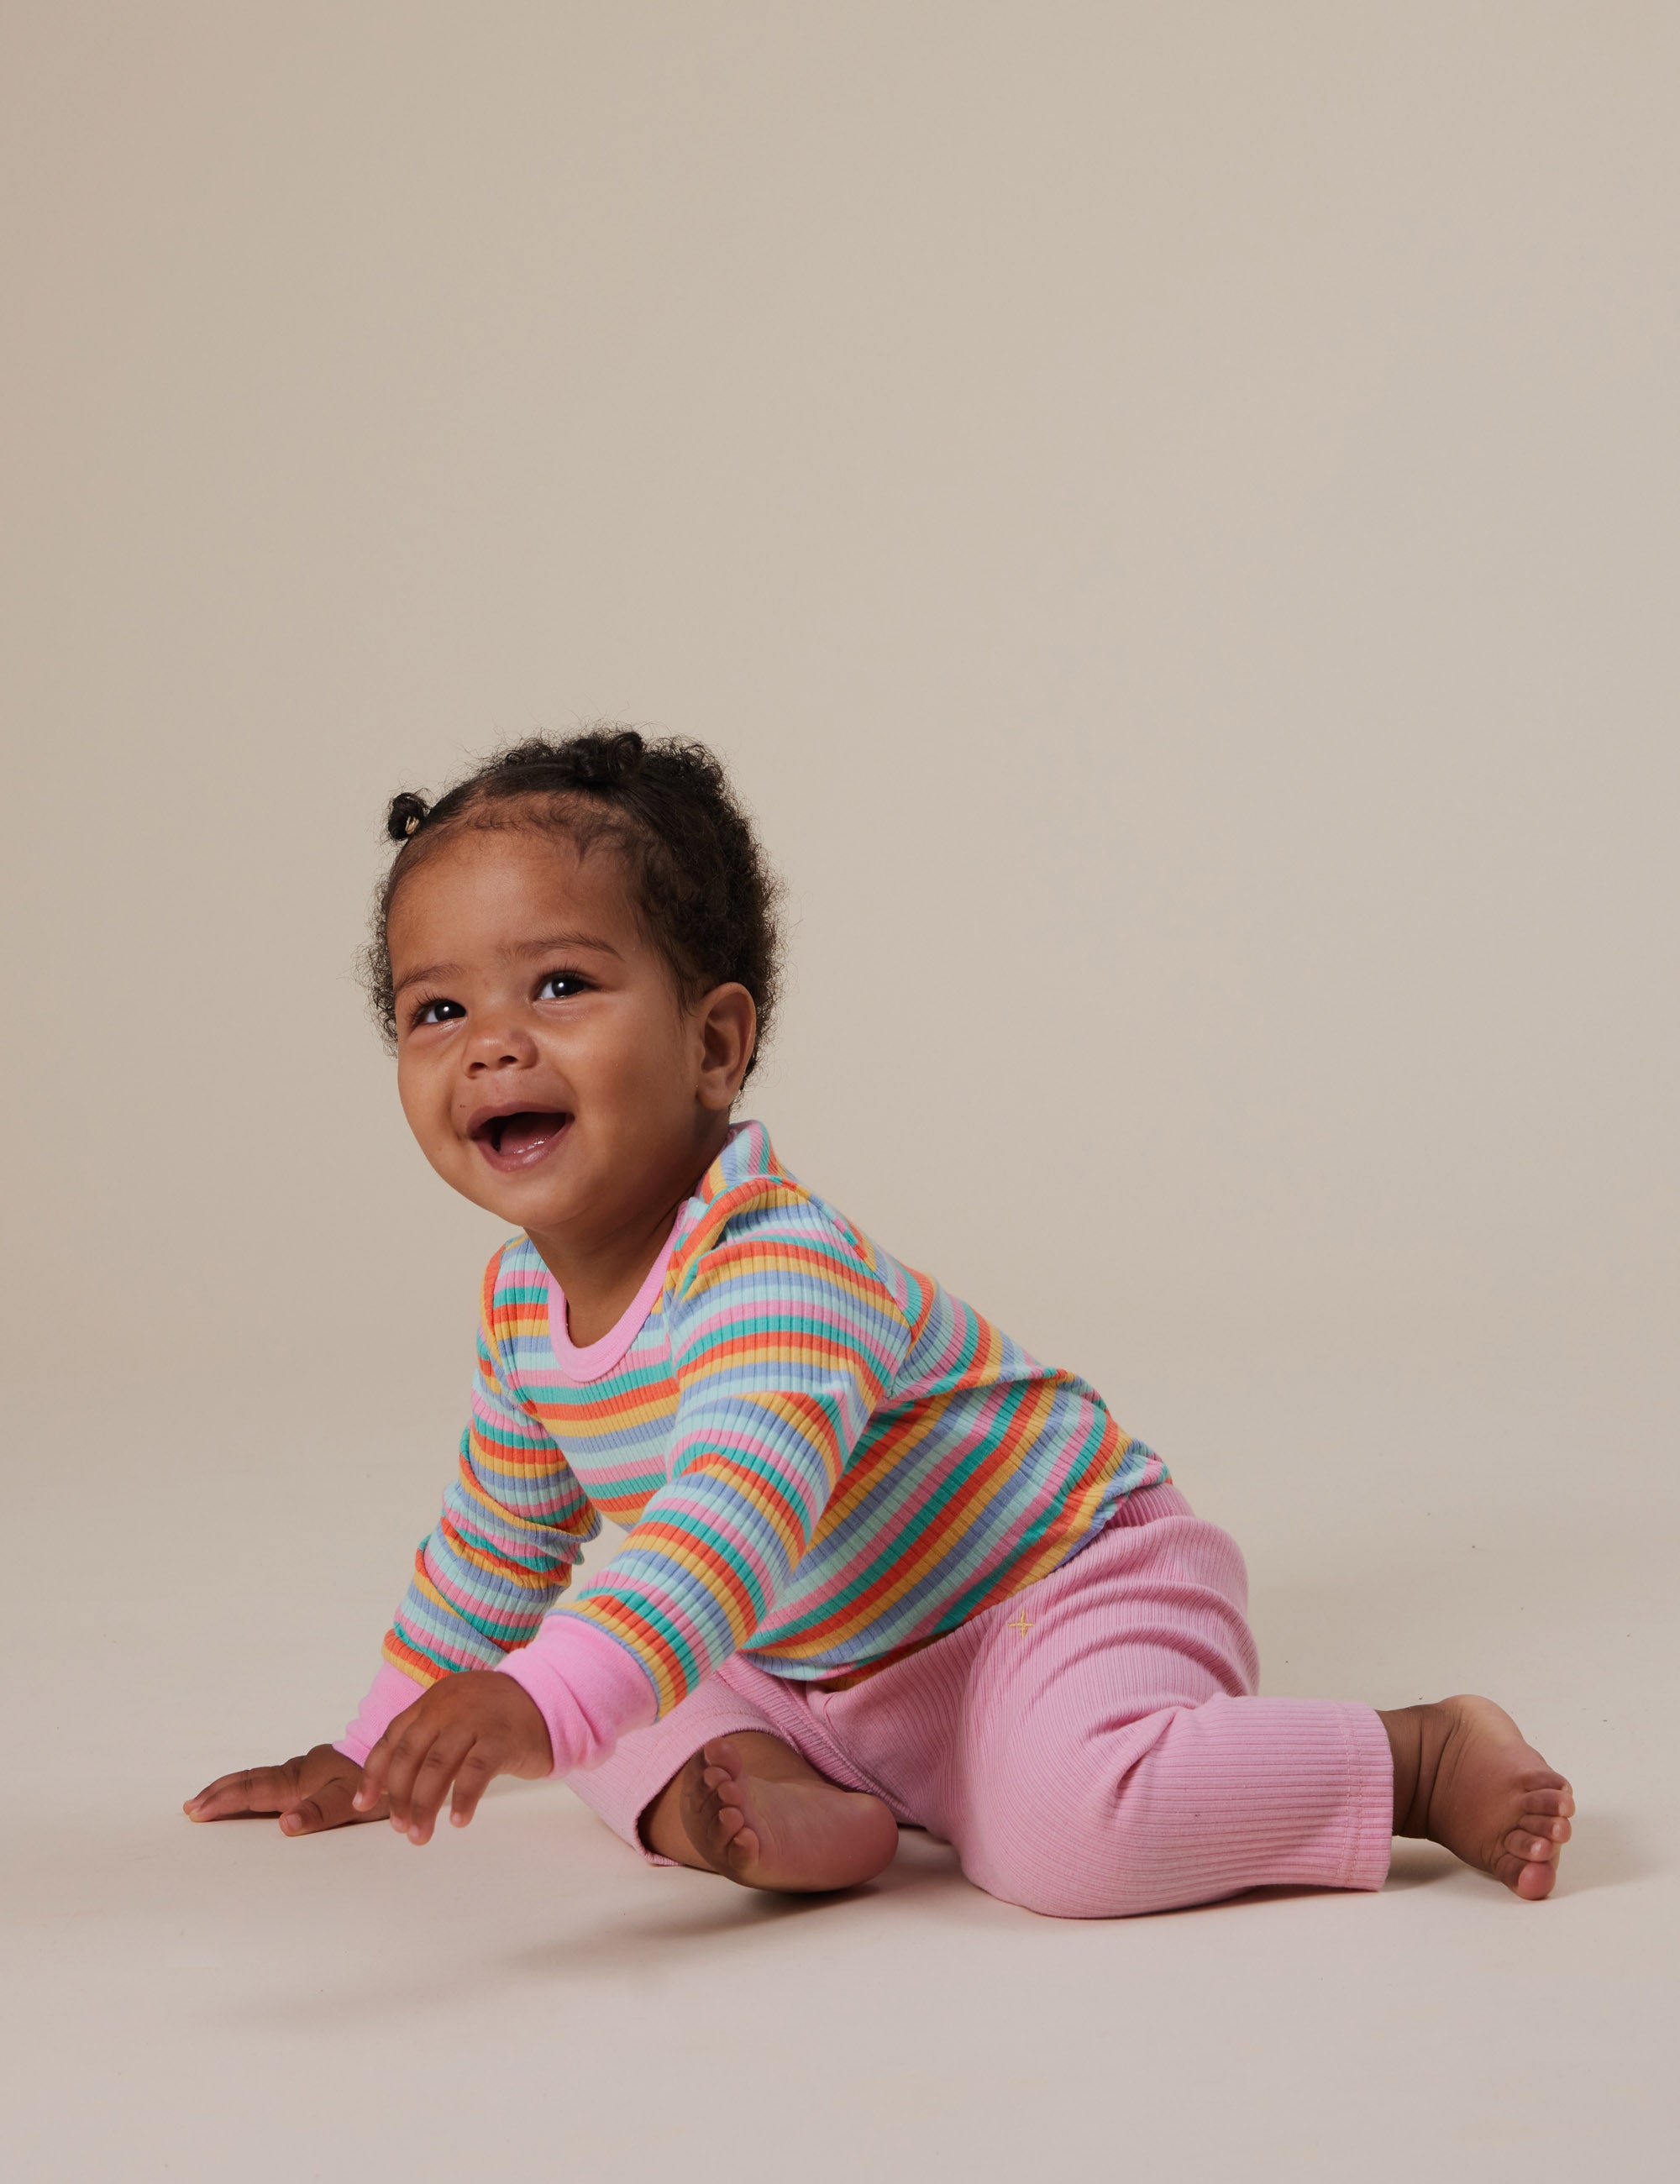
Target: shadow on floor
(681, 1911)
(1416, 1864)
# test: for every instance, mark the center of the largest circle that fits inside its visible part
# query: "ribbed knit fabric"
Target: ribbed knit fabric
(1091, 1746)
(823, 1459)
(586, 1703)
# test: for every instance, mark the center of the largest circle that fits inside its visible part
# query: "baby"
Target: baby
(881, 1568)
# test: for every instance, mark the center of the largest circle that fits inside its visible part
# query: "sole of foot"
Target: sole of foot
(760, 1816)
(1480, 1789)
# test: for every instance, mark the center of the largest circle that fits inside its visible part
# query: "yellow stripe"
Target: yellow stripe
(573, 1417)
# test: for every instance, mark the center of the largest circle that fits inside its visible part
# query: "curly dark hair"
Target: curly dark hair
(705, 894)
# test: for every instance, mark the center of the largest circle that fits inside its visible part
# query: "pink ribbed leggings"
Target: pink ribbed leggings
(1091, 1746)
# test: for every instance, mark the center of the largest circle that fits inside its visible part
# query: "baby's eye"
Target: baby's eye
(438, 1011)
(561, 985)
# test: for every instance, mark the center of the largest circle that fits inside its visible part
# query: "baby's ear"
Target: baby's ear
(729, 1031)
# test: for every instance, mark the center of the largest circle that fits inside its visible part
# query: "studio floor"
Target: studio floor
(192, 2003)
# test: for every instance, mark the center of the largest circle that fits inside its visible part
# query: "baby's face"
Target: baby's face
(546, 1062)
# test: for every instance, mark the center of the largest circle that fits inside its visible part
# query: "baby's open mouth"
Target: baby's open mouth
(518, 1138)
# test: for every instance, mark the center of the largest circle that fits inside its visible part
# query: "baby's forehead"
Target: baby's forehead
(493, 884)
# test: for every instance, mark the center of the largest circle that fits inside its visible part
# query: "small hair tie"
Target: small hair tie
(411, 824)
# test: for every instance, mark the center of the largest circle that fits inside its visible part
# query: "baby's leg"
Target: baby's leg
(1112, 1758)
(745, 1805)
(1195, 1801)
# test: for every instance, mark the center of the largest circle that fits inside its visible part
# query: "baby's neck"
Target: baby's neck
(598, 1295)
(600, 1275)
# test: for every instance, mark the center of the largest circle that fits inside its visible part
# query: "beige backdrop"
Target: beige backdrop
(1168, 512)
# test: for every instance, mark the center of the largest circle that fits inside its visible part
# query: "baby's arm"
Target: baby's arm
(514, 1521)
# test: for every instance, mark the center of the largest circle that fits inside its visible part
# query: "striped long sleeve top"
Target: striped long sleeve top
(822, 1459)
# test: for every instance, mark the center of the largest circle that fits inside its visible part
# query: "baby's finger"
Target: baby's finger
(404, 1763)
(372, 1785)
(472, 1779)
(251, 1790)
(377, 1764)
(328, 1807)
(432, 1778)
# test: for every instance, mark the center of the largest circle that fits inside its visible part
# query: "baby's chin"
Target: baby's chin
(547, 1192)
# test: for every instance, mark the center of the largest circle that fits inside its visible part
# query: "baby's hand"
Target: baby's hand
(466, 1729)
(309, 1793)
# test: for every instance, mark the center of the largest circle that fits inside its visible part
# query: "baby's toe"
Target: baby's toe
(1523, 1842)
(736, 1844)
(1530, 1878)
(1536, 1879)
(1552, 1826)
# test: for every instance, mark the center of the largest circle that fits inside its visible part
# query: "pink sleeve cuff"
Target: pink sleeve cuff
(589, 1690)
(391, 1694)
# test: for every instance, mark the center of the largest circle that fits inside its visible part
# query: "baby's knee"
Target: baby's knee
(1059, 1887)
(1062, 1860)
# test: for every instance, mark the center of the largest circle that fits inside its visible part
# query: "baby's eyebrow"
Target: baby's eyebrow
(431, 973)
(564, 940)
(428, 976)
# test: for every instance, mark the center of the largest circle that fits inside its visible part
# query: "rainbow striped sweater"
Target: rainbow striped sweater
(823, 1459)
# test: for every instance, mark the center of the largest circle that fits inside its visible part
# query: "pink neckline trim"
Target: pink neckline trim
(595, 1360)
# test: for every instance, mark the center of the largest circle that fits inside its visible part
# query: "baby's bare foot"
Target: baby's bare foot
(1465, 1777)
(756, 1812)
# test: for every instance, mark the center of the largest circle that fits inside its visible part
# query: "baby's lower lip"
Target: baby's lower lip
(525, 1140)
